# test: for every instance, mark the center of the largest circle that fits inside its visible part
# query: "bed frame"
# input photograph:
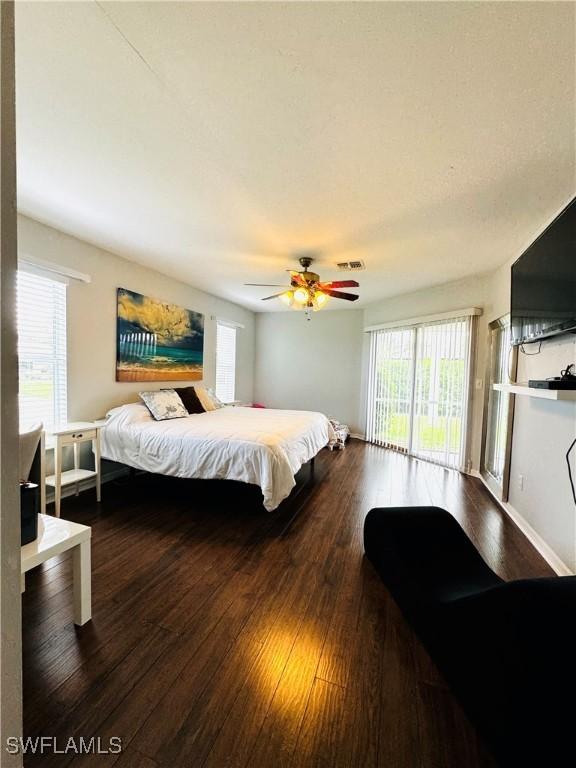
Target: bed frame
(292, 499)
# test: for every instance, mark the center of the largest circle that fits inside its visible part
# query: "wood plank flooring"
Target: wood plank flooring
(227, 637)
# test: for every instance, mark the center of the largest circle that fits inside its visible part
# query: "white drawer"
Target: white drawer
(77, 437)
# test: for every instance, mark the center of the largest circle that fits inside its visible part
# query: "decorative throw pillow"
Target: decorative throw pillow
(205, 399)
(190, 399)
(215, 399)
(164, 404)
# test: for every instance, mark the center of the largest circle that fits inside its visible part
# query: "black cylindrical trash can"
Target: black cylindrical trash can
(29, 504)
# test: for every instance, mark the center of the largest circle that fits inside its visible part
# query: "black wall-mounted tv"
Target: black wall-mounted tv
(543, 301)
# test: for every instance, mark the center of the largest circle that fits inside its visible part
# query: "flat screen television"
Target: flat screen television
(543, 300)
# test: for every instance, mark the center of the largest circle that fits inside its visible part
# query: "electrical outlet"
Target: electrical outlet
(521, 482)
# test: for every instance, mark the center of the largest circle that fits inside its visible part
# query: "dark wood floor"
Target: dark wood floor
(222, 638)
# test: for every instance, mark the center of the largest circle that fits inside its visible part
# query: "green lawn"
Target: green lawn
(431, 434)
(41, 389)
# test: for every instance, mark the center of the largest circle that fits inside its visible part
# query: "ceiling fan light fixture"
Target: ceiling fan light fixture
(320, 299)
(301, 296)
(308, 292)
(287, 298)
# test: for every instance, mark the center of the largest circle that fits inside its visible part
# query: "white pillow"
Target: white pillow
(207, 401)
(215, 399)
(164, 404)
(28, 446)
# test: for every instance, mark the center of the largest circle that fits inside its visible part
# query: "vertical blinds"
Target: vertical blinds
(418, 389)
(441, 392)
(390, 387)
(225, 362)
(41, 315)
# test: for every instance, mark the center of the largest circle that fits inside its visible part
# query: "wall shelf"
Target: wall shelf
(543, 394)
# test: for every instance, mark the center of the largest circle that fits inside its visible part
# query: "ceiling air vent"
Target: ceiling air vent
(350, 266)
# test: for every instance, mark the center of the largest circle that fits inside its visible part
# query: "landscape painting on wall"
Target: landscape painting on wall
(156, 341)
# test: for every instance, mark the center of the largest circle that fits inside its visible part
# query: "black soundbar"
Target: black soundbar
(553, 383)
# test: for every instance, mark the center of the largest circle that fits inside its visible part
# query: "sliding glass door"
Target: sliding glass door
(391, 388)
(418, 391)
(441, 392)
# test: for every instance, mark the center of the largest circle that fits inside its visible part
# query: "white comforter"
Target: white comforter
(262, 446)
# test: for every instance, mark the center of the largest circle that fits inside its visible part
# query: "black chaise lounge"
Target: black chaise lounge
(507, 649)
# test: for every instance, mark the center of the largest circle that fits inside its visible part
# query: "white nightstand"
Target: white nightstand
(74, 434)
(55, 537)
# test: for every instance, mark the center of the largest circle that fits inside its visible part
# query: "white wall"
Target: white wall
(542, 434)
(314, 365)
(10, 602)
(92, 388)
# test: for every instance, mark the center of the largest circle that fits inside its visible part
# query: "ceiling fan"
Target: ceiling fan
(307, 290)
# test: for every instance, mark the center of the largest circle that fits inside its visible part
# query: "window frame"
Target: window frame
(500, 489)
(224, 324)
(57, 354)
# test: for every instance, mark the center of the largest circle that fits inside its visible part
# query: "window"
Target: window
(418, 390)
(498, 409)
(41, 308)
(225, 362)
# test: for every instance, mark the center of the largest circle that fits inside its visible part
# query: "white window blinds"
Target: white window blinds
(441, 387)
(41, 307)
(225, 362)
(390, 387)
(418, 386)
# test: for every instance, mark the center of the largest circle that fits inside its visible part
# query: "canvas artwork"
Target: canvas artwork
(156, 341)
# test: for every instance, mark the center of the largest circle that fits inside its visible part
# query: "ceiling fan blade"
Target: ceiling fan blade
(340, 284)
(340, 295)
(266, 285)
(274, 296)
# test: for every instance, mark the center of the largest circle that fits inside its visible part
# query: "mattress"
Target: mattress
(261, 446)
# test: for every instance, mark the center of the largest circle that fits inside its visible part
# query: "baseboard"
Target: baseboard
(86, 485)
(558, 566)
(357, 436)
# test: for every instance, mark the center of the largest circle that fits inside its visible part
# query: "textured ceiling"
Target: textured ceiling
(212, 141)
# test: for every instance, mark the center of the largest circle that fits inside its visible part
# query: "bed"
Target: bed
(261, 446)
